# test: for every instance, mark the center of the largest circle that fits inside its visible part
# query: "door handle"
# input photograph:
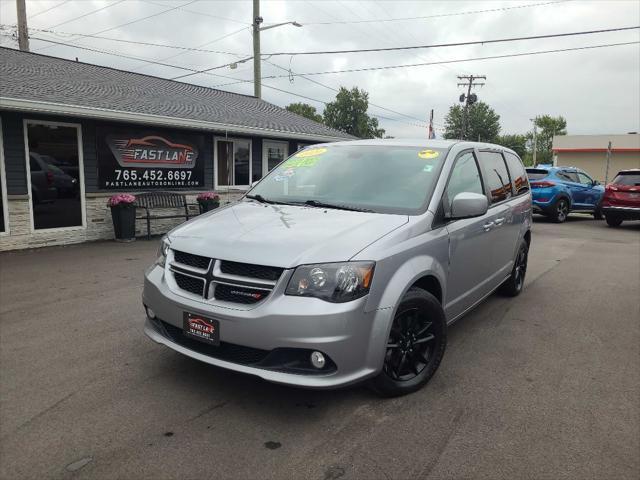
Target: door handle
(499, 221)
(488, 226)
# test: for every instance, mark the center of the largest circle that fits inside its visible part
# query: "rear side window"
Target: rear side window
(497, 176)
(536, 173)
(465, 177)
(627, 178)
(568, 176)
(518, 173)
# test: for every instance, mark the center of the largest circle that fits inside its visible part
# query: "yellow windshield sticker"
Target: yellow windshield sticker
(428, 154)
(312, 152)
(301, 162)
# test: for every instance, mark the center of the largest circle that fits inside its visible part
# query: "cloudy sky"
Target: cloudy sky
(596, 90)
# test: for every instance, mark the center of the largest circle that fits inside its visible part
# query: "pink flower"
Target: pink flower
(204, 196)
(121, 199)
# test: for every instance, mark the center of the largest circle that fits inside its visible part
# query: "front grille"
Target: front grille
(225, 351)
(191, 260)
(253, 271)
(231, 293)
(213, 279)
(190, 284)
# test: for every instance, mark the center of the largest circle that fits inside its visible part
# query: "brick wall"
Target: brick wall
(99, 224)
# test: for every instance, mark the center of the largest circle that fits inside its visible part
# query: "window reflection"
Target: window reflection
(55, 176)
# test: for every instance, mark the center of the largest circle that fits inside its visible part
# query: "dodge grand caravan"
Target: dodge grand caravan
(345, 263)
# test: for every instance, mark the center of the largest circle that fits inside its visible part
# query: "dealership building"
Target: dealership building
(73, 134)
(589, 153)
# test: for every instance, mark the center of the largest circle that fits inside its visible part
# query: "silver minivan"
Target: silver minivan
(345, 263)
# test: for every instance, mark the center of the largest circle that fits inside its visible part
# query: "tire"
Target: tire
(415, 347)
(560, 210)
(515, 283)
(613, 221)
(597, 213)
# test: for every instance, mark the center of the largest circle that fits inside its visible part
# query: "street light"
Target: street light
(257, 20)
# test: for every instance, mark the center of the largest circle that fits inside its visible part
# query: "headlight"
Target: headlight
(333, 282)
(163, 250)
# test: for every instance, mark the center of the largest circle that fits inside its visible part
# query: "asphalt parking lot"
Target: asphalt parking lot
(546, 385)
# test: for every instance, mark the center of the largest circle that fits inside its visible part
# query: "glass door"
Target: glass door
(55, 173)
(233, 162)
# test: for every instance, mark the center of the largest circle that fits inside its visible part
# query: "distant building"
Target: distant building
(589, 153)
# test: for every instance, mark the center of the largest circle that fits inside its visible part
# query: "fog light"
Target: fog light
(317, 360)
(150, 313)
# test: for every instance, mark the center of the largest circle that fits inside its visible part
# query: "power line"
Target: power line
(122, 24)
(48, 9)
(461, 60)
(86, 14)
(202, 14)
(137, 42)
(455, 44)
(424, 17)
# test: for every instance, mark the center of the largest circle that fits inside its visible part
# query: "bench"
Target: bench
(160, 200)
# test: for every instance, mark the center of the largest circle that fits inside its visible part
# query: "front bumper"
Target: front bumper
(626, 213)
(353, 339)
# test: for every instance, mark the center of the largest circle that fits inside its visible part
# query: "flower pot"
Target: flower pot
(208, 205)
(124, 222)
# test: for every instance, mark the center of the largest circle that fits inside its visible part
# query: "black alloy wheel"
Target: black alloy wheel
(515, 283)
(415, 346)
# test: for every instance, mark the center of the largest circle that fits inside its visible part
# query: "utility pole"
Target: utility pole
(469, 98)
(257, 20)
(606, 173)
(535, 140)
(23, 32)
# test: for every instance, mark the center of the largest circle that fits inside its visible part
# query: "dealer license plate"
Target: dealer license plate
(201, 328)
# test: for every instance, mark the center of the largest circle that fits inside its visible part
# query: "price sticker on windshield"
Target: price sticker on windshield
(312, 152)
(428, 154)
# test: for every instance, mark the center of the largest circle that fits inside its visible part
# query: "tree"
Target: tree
(484, 123)
(516, 142)
(548, 126)
(348, 113)
(305, 110)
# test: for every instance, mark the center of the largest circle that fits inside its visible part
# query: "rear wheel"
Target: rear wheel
(613, 221)
(415, 347)
(560, 210)
(514, 284)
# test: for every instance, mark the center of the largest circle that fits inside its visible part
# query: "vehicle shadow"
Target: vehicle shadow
(572, 218)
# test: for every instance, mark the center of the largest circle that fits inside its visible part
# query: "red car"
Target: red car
(621, 199)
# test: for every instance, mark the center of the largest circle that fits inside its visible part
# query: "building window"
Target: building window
(233, 162)
(272, 154)
(54, 167)
(4, 213)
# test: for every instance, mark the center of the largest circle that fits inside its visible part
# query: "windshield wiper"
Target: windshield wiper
(316, 203)
(261, 199)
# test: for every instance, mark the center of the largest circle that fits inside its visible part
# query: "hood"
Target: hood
(282, 235)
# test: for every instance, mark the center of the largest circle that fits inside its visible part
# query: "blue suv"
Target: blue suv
(559, 190)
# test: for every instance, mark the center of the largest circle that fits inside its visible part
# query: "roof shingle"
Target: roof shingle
(34, 77)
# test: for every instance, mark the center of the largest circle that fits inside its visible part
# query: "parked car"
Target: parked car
(621, 199)
(42, 188)
(346, 263)
(557, 191)
(66, 185)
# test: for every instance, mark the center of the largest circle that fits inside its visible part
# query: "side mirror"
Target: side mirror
(468, 205)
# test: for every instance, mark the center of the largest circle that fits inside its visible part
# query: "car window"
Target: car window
(34, 165)
(518, 173)
(465, 177)
(568, 176)
(536, 173)
(497, 180)
(585, 179)
(627, 178)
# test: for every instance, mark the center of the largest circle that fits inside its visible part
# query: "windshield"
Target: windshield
(379, 178)
(627, 178)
